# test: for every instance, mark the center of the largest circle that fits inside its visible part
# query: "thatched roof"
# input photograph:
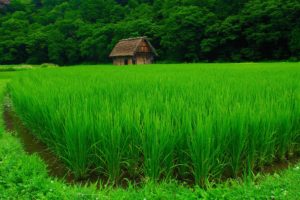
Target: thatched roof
(128, 47)
(4, 2)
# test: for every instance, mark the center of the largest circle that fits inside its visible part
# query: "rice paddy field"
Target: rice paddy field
(194, 123)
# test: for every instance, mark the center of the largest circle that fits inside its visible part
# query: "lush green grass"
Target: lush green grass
(25, 177)
(12, 68)
(204, 121)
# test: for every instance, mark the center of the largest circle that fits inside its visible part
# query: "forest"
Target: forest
(85, 31)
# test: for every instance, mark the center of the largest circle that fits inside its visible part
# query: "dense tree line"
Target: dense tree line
(85, 31)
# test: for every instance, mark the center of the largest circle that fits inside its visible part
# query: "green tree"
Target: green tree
(182, 32)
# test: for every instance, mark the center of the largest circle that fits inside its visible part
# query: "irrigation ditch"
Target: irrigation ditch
(32, 145)
(56, 168)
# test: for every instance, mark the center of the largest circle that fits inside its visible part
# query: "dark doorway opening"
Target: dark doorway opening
(126, 61)
(133, 61)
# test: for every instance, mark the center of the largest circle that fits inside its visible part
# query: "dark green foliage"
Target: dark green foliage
(68, 32)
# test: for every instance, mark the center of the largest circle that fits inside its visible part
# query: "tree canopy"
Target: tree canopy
(85, 31)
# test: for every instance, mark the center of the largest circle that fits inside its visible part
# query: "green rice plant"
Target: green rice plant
(158, 144)
(201, 149)
(191, 122)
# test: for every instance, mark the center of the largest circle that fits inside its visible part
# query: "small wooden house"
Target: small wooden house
(133, 51)
(4, 3)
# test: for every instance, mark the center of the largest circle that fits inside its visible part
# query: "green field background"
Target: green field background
(206, 121)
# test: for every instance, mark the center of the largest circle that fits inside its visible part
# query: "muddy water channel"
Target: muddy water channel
(32, 145)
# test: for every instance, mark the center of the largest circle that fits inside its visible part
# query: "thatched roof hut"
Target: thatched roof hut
(4, 2)
(133, 51)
